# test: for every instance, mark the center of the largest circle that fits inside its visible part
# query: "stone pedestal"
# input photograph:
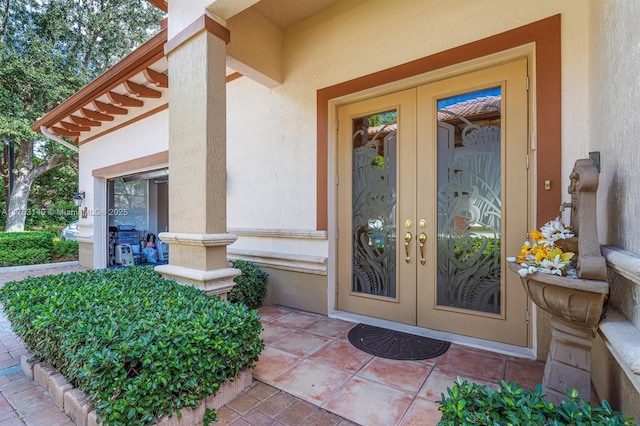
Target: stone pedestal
(568, 364)
(576, 307)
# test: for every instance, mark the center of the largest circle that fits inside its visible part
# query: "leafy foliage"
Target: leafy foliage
(48, 50)
(470, 403)
(251, 286)
(64, 250)
(25, 248)
(138, 345)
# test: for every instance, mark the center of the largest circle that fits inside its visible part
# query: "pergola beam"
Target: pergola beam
(156, 78)
(140, 90)
(95, 115)
(106, 108)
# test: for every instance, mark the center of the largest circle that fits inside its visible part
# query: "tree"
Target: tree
(48, 50)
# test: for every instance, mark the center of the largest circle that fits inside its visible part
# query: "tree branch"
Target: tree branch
(55, 162)
(5, 23)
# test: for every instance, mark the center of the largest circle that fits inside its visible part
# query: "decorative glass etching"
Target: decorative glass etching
(373, 224)
(469, 201)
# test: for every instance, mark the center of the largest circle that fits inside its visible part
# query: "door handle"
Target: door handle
(423, 239)
(407, 240)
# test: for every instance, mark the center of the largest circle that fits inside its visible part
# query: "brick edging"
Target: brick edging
(75, 404)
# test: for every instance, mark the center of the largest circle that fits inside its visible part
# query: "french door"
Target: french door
(432, 196)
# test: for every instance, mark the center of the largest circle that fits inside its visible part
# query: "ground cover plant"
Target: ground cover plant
(470, 403)
(138, 345)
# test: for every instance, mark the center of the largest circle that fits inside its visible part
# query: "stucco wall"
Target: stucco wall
(272, 135)
(614, 126)
(143, 138)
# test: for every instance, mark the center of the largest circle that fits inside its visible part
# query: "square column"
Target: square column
(197, 158)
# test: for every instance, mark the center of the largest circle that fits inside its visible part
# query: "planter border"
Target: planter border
(74, 403)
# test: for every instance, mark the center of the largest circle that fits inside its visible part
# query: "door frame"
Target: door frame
(528, 51)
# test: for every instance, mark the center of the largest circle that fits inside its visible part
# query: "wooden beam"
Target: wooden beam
(64, 132)
(141, 58)
(84, 121)
(140, 90)
(74, 127)
(160, 4)
(95, 115)
(106, 108)
(124, 100)
(156, 78)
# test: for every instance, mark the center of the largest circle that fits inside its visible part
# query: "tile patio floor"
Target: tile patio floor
(308, 374)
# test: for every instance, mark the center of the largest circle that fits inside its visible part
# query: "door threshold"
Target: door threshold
(472, 342)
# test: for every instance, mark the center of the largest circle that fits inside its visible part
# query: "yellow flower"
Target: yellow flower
(535, 235)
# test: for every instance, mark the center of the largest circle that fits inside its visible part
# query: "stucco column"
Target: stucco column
(197, 158)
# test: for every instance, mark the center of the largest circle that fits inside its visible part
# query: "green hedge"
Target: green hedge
(64, 250)
(25, 248)
(251, 286)
(138, 345)
(470, 403)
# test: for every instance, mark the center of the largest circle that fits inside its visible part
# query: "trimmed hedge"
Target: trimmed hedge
(470, 403)
(138, 345)
(25, 248)
(64, 250)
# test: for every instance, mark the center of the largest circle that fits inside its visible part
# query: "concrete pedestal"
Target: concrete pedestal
(568, 364)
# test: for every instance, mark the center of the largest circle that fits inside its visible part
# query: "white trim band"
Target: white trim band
(199, 240)
(289, 262)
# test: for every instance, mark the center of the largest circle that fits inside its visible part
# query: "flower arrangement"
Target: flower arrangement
(541, 254)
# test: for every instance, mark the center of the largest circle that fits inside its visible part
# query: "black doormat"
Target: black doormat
(395, 344)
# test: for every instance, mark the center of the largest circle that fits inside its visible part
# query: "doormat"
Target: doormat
(393, 344)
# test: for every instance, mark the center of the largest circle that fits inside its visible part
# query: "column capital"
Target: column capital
(203, 23)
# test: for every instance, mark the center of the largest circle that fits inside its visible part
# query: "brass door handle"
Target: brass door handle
(407, 239)
(423, 239)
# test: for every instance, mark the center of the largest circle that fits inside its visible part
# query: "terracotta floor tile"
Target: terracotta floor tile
(439, 380)
(300, 343)
(369, 403)
(342, 355)
(329, 327)
(421, 413)
(311, 381)
(297, 320)
(527, 373)
(473, 363)
(273, 332)
(269, 313)
(272, 363)
(408, 376)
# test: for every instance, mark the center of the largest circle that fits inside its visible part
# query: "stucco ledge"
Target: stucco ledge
(199, 240)
(622, 339)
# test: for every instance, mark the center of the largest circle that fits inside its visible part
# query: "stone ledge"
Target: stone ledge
(76, 406)
(623, 341)
(623, 262)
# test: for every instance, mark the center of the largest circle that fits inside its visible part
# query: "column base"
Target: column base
(219, 281)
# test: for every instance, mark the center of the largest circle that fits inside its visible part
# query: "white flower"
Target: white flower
(553, 231)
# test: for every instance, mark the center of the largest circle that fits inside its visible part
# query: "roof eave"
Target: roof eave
(130, 65)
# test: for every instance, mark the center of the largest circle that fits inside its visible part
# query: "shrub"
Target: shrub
(470, 403)
(25, 248)
(251, 286)
(64, 249)
(139, 346)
